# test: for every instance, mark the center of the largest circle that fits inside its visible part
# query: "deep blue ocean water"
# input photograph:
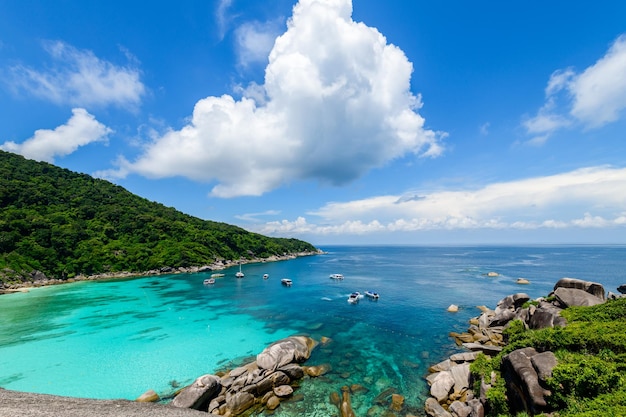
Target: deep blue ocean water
(119, 338)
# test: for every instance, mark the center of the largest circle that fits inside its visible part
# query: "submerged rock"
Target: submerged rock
(283, 391)
(149, 396)
(397, 402)
(317, 370)
(345, 407)
(272, 403)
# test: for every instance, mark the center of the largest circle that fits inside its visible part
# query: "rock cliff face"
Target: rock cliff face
(524, 370)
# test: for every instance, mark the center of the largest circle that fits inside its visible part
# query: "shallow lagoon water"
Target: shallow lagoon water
(118, 338)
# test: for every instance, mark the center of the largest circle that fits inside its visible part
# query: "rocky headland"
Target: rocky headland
(454, 392)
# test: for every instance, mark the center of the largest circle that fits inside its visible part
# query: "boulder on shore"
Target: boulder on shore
(592, 288)
(198, 394)
(523, 382)
(572, 297)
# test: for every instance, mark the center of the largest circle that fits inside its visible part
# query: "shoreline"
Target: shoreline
(28, 404)
(24, 287)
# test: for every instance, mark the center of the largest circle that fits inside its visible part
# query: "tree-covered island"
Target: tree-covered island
(64, 224)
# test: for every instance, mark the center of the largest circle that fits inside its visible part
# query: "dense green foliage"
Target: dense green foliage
(590, 378)
(63, 224)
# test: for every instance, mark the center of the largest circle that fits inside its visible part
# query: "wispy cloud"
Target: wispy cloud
(600, 91)
(592, 98)
(591, 197)
(222, 17)
(79, 78)
(255, 40)
(81, 129)
(336, 103)
(254, 217)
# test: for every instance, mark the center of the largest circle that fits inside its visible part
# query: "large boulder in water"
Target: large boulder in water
(442, 386)
(285, 351)
(434, 409)
(622, 289)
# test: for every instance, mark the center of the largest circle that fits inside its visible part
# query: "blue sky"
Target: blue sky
(333, 121)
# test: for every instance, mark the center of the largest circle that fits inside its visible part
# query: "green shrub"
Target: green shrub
(527, 304)
(498, 404)
(480, 369)
(582, 376)
(515, 329)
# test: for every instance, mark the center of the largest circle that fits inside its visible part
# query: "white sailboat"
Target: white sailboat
(239, 274)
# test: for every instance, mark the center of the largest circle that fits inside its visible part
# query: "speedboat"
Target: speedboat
(372, 294)
(266, 276)
(209, 281)
(354, 297)
(286, 281)
(336, 276)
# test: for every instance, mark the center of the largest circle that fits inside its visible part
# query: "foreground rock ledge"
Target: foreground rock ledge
(262, 383)
(24, 404)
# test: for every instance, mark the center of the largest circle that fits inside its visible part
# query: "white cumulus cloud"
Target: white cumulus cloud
(79, 78)
(593, 98)
(558, 201)
(81, 129)
(600, 91)
(336, 102)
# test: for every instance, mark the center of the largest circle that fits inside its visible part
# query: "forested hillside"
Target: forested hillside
(64, 224)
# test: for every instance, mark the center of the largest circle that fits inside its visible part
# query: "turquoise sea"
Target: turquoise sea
(119, 338)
